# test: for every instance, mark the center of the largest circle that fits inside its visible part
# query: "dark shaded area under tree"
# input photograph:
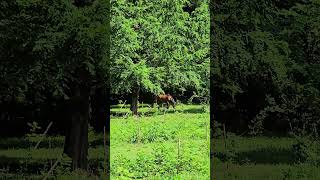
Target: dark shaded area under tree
(265, 66)
(54, 67)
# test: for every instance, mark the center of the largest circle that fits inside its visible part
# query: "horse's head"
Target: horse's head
(171, 99)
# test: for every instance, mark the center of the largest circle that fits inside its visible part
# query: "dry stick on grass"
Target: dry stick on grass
(43, 135)
(126, 115)
(178, 168)
(124, 103)
(208, 137)
(225, 144)
(212, 148)
(149, 109)
(51, 169)
(54, 165)
(243, 133)
(138, 133)
(316, 134)
(57, 161)
(50, 148)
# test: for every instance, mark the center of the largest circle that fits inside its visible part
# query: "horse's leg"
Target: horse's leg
(154, 102)
(168, 104)
(174, 107)
(173, 103)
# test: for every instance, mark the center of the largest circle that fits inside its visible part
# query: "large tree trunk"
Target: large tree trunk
(76, 140)
(99, 104)
(100, 118)
(135, 98)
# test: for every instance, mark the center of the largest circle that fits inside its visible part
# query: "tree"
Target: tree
(248, 63)
(154, 47)
(53, 51)
(262, 77)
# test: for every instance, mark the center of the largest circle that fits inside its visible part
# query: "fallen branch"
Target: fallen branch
(124, 103)
(51, 169)
(42, 136)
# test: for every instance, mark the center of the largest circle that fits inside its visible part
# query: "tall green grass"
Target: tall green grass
(19, 159)
(263, 158)
(167, 144)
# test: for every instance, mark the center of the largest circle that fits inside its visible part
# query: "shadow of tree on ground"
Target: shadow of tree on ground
(269, 155)
(29, 166)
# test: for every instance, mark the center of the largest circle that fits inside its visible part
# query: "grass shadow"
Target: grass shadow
(128, 106)
(270, 155)
(24, 143)
(194, 111)
(118, 114)
(25, 166)
(96, 142)
(29, 166)
(155, 111)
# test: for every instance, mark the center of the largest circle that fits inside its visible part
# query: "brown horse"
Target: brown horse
(165, 98)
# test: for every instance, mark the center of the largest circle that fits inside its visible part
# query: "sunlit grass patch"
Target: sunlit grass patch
(169, 143)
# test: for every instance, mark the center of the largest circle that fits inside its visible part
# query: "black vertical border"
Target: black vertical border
(108, 90)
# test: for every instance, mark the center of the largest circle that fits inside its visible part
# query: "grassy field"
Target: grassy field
(160, 144)
(19, 159)
(263, 158)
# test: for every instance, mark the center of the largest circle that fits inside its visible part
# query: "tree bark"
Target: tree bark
(76, 140)
(99, 104)
(134, 103)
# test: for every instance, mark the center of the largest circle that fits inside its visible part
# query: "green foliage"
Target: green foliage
(155, 155)
(306, 150)
(157, 46)
(264, 68)
(48, 46)
(34, 128)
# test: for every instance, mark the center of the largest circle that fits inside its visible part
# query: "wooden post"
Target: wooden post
(208, 138)
(178, 168)
(105, 149)
(225, 144)
(50, 148)
(138, 125)
(211, 152)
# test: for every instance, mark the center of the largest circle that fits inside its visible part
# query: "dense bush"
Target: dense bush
(265, 65)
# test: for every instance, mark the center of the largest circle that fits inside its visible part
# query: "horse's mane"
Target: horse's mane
(162, 93)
